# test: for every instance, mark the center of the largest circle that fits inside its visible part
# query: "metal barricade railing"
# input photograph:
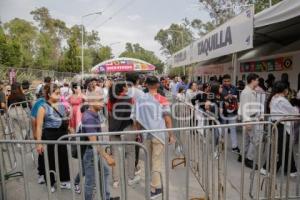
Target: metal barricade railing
(213, 173)
(203, 143)
(67, 144)
(286, 142)
(266, 139)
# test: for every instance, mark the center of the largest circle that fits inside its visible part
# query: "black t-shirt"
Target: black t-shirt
(2, 100)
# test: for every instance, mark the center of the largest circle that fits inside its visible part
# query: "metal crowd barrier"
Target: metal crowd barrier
(281, 177)
(205, 152)
(98, 168)
(203, 143)
(214, 182)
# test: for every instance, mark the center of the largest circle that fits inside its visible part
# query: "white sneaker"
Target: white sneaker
(52, 189)
(293, 175)
(116, 184)
(77, 189)
(41, 179)
(216, 155)
(263, 172)
(65, 185)
(133, 181)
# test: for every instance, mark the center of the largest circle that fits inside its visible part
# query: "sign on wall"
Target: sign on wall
(233, 36)
(270, 65)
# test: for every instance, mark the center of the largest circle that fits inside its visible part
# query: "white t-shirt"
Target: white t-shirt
(134, 92)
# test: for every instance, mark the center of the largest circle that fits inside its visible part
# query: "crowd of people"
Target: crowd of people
(70, 108)
(245, 102)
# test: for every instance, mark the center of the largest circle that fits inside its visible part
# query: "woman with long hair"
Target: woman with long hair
(119, 111)
(76, 100)
(52, 123)
(279, 104)
(18, 111)
(16, 95)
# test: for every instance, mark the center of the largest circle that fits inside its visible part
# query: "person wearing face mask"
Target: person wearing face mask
(51, 124)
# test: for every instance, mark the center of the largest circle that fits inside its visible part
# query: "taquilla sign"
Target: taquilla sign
(233, 36)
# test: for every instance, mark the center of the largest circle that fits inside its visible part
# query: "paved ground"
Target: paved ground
(15, 186)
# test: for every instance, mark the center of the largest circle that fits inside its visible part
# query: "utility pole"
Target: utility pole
(82, 42)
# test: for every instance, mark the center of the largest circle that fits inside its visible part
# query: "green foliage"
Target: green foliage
(23, 33)
(50, 45)
(221, 12)
(138, 52)
(174, 38)
(10, 53)
(101, 54)
(263, 4)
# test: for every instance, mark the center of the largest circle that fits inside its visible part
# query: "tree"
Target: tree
(24, 34)
(174, 38)
(10, 54)
(138, 52)
(222, 10)
(263, 4)
(53, 32)
(101, 54)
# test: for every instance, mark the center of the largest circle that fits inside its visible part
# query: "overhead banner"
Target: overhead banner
(233, 36)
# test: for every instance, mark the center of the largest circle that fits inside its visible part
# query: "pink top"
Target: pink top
(75, 116)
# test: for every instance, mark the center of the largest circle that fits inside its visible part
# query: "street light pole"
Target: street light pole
(82, 42)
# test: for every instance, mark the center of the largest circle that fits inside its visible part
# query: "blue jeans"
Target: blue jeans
(231, 119)
(90, 176)
(77, 178)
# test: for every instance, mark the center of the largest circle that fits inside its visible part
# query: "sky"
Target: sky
(135, 21)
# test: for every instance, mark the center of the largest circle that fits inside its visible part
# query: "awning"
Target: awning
(275, 27)
(263, 50)
(280, 12)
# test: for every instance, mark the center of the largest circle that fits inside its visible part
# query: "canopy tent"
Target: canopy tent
(280, 12)
(275, 30)
(122, 64)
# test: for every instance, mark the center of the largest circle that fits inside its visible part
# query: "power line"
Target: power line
(116, 13)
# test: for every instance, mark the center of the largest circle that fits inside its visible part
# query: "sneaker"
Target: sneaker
(293, 175)
(116, 184)
(41, 179)
(135, 180)
(65, 185)
(138, 171)
(53, 189)
(239, 158)
(236, 150)
(156, 194)
(249, 164)
(114, 198)
(216, 155)
(263, 172)
(77, 189)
